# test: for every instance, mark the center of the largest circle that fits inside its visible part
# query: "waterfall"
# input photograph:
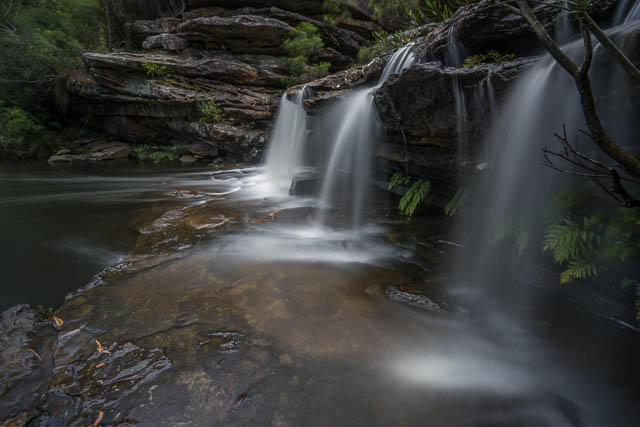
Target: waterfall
(284, 155)
(516, 188)
(354, 127)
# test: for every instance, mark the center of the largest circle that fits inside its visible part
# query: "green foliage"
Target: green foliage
(416, 194)
(210, 112)
(414, 197)
(458, 202)
(417, 12)
(491, 56)
(384, 43)
(305, 40)
(301, 47)
(593, 243)
(154, 70)
(45, 48)
(16, 124)
(398, 179)
(142, 152)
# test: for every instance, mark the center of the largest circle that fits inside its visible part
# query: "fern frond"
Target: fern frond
(458, 202)
(416, 195)
(579, 269)
(398, 179)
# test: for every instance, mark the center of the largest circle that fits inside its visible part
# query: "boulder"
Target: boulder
(139, 31)
(169, 42)
(241, 34)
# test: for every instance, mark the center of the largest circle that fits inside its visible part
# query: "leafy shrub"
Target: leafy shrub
(16, 124)
(154, 70)
(210, 112)
(305, 43)
(491, 56)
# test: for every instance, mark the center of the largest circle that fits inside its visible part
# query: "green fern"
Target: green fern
(397, 180)
(458, 202)
(516, 228)
(571, 241)
(577, 269)
(416, 195)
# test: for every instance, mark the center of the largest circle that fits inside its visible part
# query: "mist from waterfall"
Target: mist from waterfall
(354, 128)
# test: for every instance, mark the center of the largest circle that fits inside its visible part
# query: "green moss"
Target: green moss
(492, 56)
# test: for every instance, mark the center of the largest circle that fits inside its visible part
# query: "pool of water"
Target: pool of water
(63, 224)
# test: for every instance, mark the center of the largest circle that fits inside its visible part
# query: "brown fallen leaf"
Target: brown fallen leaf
(100, 348)
(35, 353)
(97, 421)
(75, 331)
(58, 321)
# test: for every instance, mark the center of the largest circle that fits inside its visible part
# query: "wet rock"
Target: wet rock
(169, 42)
(203, 149)
(327, 89)
(95, 152)
(413, 299)
(187, 159)
(242, 34)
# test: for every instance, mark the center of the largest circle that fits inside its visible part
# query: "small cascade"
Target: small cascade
(455, 54)
(563, 29)
(462, 142)
(354, 127)
(284, 155)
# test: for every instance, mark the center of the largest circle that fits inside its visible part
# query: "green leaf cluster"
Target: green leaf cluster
(590, 244)
(210, 112)
(154, 70)
(384, 43)
(416, 194)
(417, 12)
(305, 44)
